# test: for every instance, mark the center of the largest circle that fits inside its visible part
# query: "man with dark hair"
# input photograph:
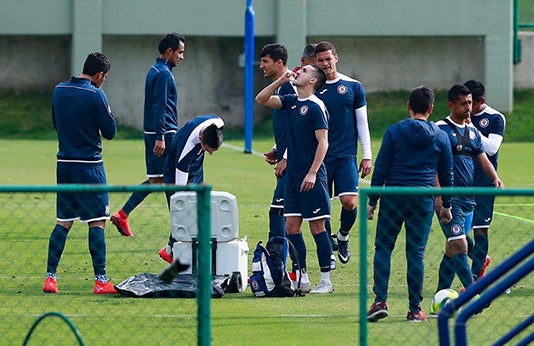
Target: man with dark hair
(412, 153)
(306, 194)
(307, 57)
(490, 124)
(185, 158)
(273, 63)
(95, 63)
(80, 115)
(467, 148)
(345, 100)
(160, 121)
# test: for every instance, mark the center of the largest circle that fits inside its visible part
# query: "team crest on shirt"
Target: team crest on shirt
(456, 229)
(471, 135)
(342, 90)
(484, 122)
(303, 110)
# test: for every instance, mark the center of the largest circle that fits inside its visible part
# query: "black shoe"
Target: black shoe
(343, 252)
(378, 311)
(171, 272)
(335, 247)
(418, 316)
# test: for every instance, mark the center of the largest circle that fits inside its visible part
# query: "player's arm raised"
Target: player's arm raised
(266, 98)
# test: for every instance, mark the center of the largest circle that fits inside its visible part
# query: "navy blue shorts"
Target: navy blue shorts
(310, 205)
(456, 229)
(279, 192)
(342, 176)
(154, 164)
(86, 206)
(483, 211)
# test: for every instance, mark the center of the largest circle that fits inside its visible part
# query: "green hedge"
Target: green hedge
(27, 116)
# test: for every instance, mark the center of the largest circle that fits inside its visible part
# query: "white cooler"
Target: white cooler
(224, 216)
(229, 255)
(226, 258)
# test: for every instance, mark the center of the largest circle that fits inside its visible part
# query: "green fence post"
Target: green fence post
(363, 267)
(204, 266)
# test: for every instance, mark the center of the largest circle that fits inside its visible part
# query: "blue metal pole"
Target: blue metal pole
(249, 76)
(516, 330)
(488, 296)
(479, 286)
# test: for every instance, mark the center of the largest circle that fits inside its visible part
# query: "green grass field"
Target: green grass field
(525, 11)
(237, 319)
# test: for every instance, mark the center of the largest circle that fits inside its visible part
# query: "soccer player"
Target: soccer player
(413, 152)
(490, 124)
(185, 159)
(273, 63)
(160, 121)
(306, 195)
(345, 100)
(307, 57)
(467, 148)
(80, 115)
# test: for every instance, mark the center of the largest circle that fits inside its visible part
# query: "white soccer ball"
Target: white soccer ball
(441, 298)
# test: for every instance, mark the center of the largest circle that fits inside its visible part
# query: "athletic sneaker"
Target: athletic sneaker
(333, 263)
(120, 220)
(50, 285)
(485, 266)
(167, 257)
(104, 288)
(343, 252)
(378, 311)
(416, 316)
(335, 247)
(323, 287)
(305, 284)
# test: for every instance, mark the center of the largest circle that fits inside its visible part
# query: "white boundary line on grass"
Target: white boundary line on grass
(517, 218)
(236, 148)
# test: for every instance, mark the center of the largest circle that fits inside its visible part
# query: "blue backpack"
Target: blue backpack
(269, 274)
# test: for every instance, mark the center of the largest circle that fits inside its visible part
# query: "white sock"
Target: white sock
(325, 276)
(342, 237)
(305, 278)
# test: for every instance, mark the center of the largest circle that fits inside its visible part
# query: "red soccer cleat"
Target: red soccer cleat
(485, 266)
(50, 285)
(104, 288)
(120, 220)
(167, 257)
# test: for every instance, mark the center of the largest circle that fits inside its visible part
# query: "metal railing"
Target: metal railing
(410, 191)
